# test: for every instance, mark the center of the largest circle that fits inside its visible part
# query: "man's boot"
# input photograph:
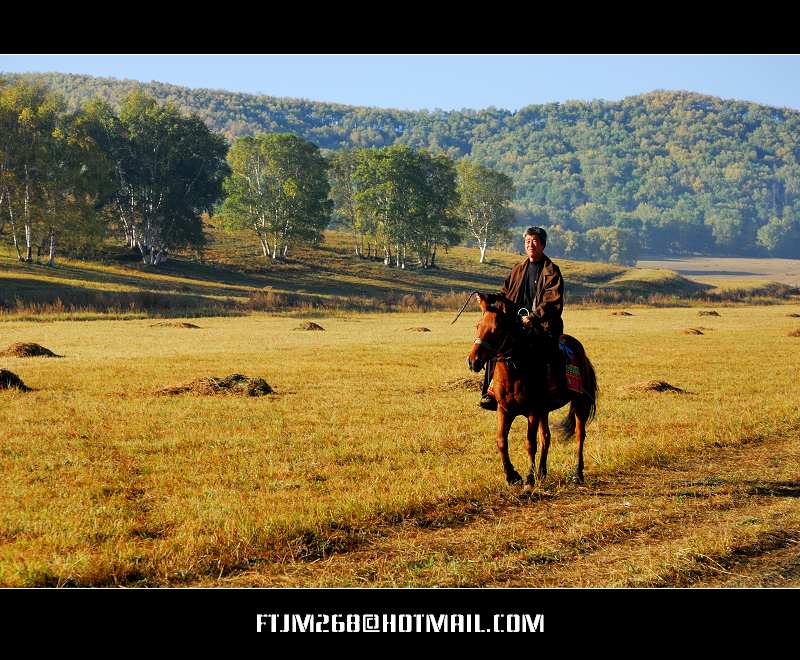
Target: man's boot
(488, 402)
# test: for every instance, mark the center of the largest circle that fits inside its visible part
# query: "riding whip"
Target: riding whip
(464, 307)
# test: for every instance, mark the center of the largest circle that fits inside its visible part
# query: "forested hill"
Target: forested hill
(686, 171)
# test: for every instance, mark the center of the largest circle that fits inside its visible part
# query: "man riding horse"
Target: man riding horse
(536, 285)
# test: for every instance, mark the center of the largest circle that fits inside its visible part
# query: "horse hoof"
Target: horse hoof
(531, 480)
(514, 478)
(577, 479)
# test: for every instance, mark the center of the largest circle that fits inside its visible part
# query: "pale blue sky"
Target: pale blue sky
(447, 81)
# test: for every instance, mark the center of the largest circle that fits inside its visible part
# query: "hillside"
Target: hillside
(232, 279)
(686, 172)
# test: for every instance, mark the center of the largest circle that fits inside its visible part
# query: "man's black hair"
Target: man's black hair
(536, 231)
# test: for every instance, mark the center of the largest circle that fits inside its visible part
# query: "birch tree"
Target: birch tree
(29, 114)
(485, 203)
(386, 180)
(277, 187)
(169, 169)
(77, 183)
(344, 186)
(437, 222)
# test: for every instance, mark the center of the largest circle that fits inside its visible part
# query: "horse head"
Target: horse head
(494, 326)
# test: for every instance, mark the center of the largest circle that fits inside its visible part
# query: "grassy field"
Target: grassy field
(232, 279)
(372, 451)
(731, 271)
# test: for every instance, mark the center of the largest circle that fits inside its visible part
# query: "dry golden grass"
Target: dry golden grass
(371, 430)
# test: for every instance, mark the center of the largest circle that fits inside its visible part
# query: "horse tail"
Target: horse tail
(590, 387)
(567, 426)
(588, 398)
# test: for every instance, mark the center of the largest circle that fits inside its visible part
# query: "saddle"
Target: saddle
(564, 363)
(572, 370)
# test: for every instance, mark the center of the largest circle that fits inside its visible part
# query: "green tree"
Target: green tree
(169, 170)
(29, 115)
(436, 219)
(781, 236)
(389, 180)
(612, 244)
(278, 187)
(727, 226)
(591, 215)
(342, 167)
(77, 183)
(485, 203)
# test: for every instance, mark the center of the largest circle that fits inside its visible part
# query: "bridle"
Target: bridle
(497, 353)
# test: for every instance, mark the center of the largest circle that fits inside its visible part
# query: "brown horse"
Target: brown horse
(500, 336)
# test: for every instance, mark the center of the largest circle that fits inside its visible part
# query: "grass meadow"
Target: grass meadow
(232, 279)
(370, 427)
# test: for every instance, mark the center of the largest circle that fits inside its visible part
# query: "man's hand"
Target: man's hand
(527, 321)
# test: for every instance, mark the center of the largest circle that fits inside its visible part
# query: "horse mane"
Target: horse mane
(509, 305)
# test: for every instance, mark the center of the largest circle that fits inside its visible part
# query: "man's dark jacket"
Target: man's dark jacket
(548, 302)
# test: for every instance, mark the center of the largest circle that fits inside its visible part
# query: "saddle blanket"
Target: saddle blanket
(571, 369)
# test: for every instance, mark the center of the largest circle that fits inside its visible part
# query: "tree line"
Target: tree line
(66, 178)
(149, 172)
(664, 172)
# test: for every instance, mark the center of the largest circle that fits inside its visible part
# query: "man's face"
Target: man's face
(533, 247)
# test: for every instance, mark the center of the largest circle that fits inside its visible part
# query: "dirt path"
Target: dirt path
(730, 517)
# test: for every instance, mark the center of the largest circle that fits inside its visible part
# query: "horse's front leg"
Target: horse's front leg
(544, 446)
(504, 420)
(530, 445)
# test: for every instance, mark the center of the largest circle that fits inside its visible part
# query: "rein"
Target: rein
(497, 353)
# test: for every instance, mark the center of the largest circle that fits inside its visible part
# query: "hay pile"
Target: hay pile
(469, 384)
(419, 328)
(174, 324)
(25, 349)
(651, 386)
(9, 379)
(621, 314)
(693, 331)
(309, 325)
(711, 313)
(236, 384)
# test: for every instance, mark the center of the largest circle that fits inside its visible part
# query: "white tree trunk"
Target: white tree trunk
(26, 220)
(52, 256)
(14, 228)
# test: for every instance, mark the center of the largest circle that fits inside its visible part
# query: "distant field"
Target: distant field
(373, 457)
(727, 271)
(232, 278)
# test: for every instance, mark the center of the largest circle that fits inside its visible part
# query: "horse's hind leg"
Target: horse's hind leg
(503, 426)
(544, 446)
(530, 445)
(580, 434)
